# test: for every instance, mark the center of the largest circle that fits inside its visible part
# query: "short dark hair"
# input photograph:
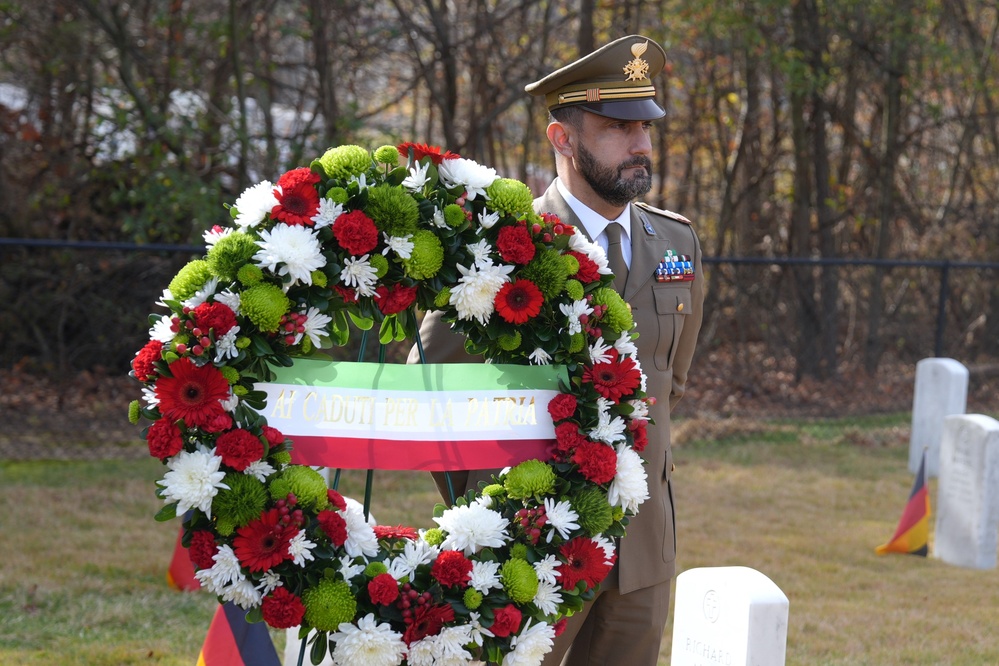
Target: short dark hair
(568, 115)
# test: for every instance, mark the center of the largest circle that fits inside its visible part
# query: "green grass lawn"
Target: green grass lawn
(804, 502)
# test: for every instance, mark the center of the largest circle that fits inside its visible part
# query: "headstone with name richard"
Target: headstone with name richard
(734, 616)
(967, 524)
(941, 390)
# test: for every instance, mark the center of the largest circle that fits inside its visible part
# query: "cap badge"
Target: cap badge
(637, 69)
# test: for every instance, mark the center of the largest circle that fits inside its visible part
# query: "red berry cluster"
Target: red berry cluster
(291, 325)
(553, 226)
(531, 521)
(410, 597)
(202, 340)
(589, 321)
(289, 514)
(461, 202)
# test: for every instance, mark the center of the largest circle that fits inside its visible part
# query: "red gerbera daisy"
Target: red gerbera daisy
(421, 150)
(192, 393)
(282, 609)
(428, 621)
(263, 543)
(597, 461)
(355, 232)
(214, 316)
(452, 568)
(394, 298)
(396, 532)
(583, 560)
(142, 364)
(239, 448)
(614, 379)
(164, 439)
(515, 244)
(518, 301)
(298, 200)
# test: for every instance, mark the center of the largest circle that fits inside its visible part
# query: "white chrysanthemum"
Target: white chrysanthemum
(472, 528)
(488, 220)
(401, 245)
(225, 346)
(300, 548)
(485, 576)
(202, 295)
(193, 480)
(642, 386)
(231, 403)
(580, 243)
(548, 597)
(630, 486)
(254, 203)
(607, 545)
(368, 642)
(327, 213)
(269, 582)
(476, 630)
(415, 553)
(561, 517)
(475, 294)
(480, 253)
(243, 594)
(358, 273)
(600, 351)
(573, 311)
(417, 178)
(540, 357)
(167, 295)
(531, 645)
(259, 469)
(315, 326)
(349, 568)
(292, 250)
(149, 396)
(472, 175)
(444, 649)
(640, 407)
(625, 346)
(162, 330)
(225, 570)
(213, 235)
(609, 430)
(228, 298)
(547, 569)
(361, 539)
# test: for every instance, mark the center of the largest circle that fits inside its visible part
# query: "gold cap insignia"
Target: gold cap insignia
(637, 69)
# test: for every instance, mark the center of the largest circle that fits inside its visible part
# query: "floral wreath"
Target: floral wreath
(357, 240)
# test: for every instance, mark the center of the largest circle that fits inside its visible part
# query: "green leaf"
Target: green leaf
(169, 512)
(363, 323)
(318, 652)
(386, 332)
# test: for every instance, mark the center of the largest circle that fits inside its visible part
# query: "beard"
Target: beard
(609, 183)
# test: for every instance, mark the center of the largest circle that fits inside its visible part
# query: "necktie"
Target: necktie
(615, 257)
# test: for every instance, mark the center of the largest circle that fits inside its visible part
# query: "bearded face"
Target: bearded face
(610, 182)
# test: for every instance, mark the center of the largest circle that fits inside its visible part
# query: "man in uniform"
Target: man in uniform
(601, 110)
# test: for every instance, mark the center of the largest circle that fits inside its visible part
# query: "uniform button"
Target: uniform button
(679, 308)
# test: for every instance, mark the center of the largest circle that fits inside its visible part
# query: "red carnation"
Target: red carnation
(452, 568)
(506, 621)
(428, 621)
(164, 439)
(518, 301)
(395, 532)
(394, 298)
(515, 244)
(583, 560)
(383, 589)
(192, 393)
(562, 406)
(263, 543)
(334, 526)
(559, 626)
(346, 293)
(567, 438)
(597, 461)
(142, 364)
(239, 448)
(336, 499)
(298, 200)
(421, 150)
(214, 316)
(588, 270)
(282, 609)
(639, 433)
(356, 232)
(218, 423)
(615, 378)
(202, 549)
(273, 436)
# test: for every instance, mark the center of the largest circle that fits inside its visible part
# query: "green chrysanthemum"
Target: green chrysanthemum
(230, 253)
(230, 373)
(434, 536)
(380, 263)
(329, 604)
(281, 457)
(427, 256)
(133, 412)
(345, 161)
(595, 512)
(393, 210)
(518, 551)
(510, 196)
(454, 215)
(472, 598)
(307, 484)
(375, 568)
(510, 342)
(529, 479)
(337, 195)
(240, 390)
(387, 155)
(547, 271)
(249, 275)
(189, 279)
(618, 316)
(495, 491)
(242, 342)
(576, 343)
(574, 289)
(442, 297)
(318, 278)
(264, 305)
(519, 580)
(571, 264)
(242, 502)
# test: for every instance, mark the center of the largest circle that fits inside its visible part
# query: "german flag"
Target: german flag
(913, 534)
(232, 641)
(180, 574)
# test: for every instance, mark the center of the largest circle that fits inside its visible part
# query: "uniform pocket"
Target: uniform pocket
(673, 304)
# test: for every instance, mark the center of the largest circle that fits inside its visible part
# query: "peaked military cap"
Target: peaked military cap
(613, 81)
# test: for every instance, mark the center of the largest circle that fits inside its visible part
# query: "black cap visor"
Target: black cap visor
(627, 109)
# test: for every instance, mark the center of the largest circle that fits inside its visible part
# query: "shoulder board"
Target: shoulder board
(665, 213)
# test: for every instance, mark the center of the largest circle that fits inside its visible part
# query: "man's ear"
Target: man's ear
(561, 138)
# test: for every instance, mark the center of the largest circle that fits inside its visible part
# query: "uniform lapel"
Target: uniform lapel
(647, 250)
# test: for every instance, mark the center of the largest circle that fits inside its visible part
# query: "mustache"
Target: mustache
(640, 161)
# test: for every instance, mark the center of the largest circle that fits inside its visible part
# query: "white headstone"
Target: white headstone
(967, 525)
(734, 616)
(941, 390)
